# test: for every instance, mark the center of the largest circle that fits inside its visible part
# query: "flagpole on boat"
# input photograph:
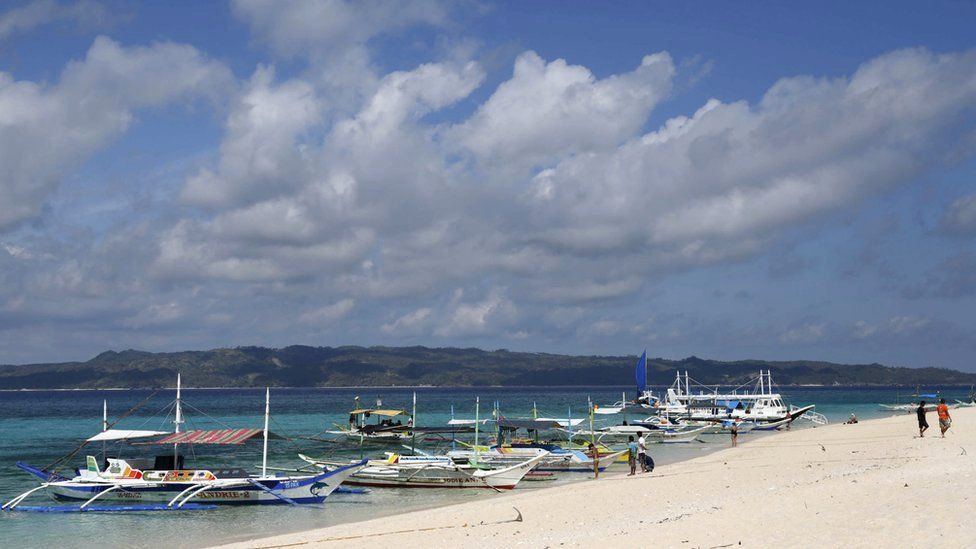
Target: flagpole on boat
(592, 432)
(177, 421)
(267, 415)
(569, 422)
(477, 421)
(413, 432)
(104, 424)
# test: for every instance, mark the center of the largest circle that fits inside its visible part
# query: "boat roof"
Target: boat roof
(530, 424)
(215, 436)
(124, 434)
(381, 412)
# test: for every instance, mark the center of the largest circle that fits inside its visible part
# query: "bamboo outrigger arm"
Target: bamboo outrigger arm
(100, 494)
(191, 493)
(16, 501)
(272, 492)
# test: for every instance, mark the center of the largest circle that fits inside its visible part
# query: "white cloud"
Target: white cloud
(47, 130)
(330, 313)
(810, 332)
(553, 110)
(723, 182)
(411, 324)
(85, 13)
(262, 155)
(901, 326)
(317, 26)
(485, 317)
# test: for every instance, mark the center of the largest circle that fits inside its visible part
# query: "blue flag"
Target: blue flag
(642, 372)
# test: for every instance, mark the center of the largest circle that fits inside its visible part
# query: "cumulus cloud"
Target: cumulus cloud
(806, 333)
(552, 110)
(403, 204)
(261, 156)
(84, 13)
(47, 130)
(902, 327)
(329, 313)
(726, 180)
(484, 317)
(548, 187)
(296, 26)
(411, 324)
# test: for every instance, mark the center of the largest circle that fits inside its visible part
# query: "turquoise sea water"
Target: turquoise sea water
(39, 427)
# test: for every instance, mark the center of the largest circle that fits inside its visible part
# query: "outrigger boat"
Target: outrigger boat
(169, 486)
(434, 473)
(762, 406)
(917, 398)
(621, 433)
(969, 403)
(389, 426)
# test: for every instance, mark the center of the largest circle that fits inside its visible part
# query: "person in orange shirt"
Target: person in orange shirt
(944, 420)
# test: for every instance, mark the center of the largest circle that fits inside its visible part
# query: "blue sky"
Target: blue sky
(770, 180)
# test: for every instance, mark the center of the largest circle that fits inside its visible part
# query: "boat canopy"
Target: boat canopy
(124, 434)
(467, 421)
(529, 424)
(387, 413)
(216, 436)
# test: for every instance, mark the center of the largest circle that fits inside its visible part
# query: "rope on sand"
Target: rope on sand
(518, 518)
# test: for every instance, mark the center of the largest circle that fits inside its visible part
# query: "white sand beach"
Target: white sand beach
(865, 485)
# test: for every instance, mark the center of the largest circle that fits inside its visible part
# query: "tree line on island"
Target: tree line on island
(303, 366)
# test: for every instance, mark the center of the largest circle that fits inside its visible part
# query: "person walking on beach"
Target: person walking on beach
(923, 425)
(632, 455)
(945, 421)
(595, 457)
(735, 433)
(642, 452)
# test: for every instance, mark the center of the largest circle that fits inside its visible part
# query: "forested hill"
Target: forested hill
(301, 366)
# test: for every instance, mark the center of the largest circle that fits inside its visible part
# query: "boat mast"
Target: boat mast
(569, 422)
(413, 433)
(477, 421)
(267, 415)
(104, 424)
(177, 421)
(592, 432)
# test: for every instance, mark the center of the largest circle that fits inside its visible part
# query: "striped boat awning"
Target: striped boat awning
(216, 436)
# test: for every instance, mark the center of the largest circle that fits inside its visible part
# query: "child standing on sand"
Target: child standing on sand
(735, 433)
(632, 455)
(944, 420)
(922, 424)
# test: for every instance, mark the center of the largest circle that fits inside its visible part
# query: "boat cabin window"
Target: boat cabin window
(166, 463)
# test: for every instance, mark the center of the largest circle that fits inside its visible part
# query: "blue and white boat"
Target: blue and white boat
(166, 485)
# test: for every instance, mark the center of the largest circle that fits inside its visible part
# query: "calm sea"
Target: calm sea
(39, 427)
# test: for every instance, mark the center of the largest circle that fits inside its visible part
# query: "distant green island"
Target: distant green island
(303, 366)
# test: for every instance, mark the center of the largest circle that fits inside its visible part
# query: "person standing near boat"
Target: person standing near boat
(632, 455)
(922, 423)
(595, 457)
(642, 452)
(945, 421)
(735, 433)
